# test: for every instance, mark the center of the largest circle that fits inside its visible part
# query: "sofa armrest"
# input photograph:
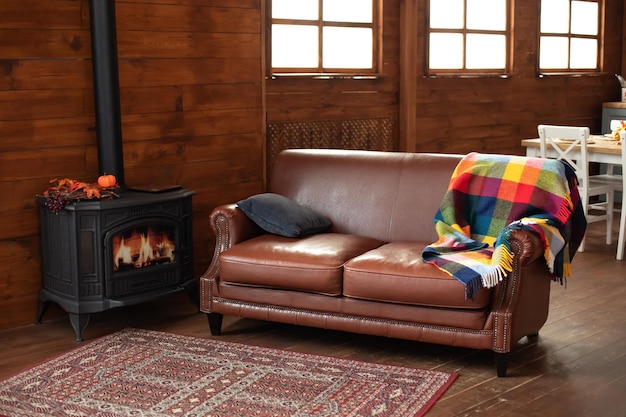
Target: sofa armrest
(527, 246)
(230, 226)
(521, 301)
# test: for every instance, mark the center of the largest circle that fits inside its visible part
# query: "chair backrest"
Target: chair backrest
(567, 143)
(622, 141)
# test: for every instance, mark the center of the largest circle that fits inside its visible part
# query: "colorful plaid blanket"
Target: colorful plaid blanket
(491, 195)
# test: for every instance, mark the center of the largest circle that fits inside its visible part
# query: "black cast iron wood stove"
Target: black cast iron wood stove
(102, 254)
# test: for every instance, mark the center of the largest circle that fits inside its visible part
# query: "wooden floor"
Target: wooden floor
(576, 368)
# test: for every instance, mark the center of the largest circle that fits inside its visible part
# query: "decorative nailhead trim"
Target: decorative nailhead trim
(221, 244)
(236, 303)
(513, 280)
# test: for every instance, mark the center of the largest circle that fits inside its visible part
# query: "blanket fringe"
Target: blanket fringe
(565, 211)
(566, 270)
(549, 257)
(503, 265)
(472, 287)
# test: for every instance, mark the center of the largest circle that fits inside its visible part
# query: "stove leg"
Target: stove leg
(43, 306)
(79, 323)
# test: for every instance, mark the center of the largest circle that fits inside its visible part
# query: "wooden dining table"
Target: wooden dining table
(599, 148)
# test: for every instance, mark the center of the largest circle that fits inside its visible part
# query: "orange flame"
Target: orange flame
(139, 249)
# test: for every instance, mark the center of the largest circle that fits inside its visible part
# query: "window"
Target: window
(468, 36)
(324, 36)
(569, 38)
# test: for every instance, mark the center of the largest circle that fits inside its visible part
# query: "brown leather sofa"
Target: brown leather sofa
(365, 273)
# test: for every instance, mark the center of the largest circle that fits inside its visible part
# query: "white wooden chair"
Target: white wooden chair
(618, 181)
(569, 144)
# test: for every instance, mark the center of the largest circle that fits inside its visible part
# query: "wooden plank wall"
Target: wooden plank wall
(623, 31)
(194, 106)
(191, 82)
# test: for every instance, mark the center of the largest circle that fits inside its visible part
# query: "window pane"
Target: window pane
(554, 16)
(446, 14)
(294, 46)
(347, 48)
(301, 9)
(554, 52)
(584, 18)
(486, 51)
(486, 14)
(584, 53)
(446, 51)
(347, 10)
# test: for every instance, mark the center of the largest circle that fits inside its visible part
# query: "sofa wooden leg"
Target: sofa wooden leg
(533, 337)
(215, 323)
(502, 364)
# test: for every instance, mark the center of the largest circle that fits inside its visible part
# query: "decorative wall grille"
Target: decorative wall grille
(365, 134)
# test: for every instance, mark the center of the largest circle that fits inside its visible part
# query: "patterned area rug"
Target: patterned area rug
(146, 373)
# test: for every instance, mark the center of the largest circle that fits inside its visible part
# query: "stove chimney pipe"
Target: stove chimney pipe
(106, 88)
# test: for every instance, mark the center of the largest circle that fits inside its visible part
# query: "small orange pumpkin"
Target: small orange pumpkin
(107, 180)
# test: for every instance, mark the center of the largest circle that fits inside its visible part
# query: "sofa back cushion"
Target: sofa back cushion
(389, 196)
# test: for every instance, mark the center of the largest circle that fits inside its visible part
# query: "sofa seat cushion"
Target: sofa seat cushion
(395, 272)
(312, 264)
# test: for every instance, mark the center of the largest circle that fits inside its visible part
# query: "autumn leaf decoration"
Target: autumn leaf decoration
(64, 191)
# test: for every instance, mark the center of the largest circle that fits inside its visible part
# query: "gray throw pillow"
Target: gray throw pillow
(280, 215)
